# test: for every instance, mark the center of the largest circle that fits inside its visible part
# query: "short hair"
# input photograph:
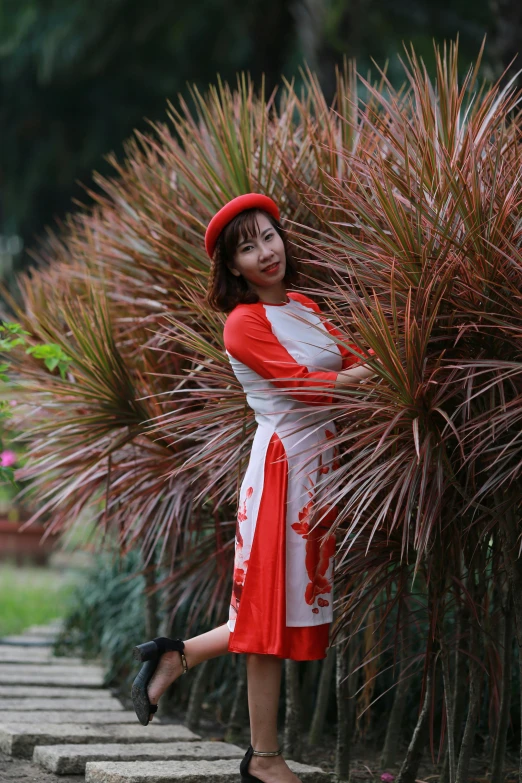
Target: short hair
(225, 290)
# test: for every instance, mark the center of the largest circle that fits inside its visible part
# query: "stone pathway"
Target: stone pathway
(56, 715)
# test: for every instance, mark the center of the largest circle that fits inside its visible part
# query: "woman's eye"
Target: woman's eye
(246, 248)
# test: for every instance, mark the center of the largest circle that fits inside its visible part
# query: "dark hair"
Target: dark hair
(225, 290)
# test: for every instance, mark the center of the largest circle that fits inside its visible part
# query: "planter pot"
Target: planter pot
(24, 546)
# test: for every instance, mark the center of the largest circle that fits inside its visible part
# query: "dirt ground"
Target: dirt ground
(20, 769)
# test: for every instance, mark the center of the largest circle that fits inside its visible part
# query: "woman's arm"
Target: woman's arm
(249, 339)
(353, 375)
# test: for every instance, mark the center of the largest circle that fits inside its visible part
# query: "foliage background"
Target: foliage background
(77, 77)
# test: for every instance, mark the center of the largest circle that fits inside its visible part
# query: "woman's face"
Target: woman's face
(261, 259)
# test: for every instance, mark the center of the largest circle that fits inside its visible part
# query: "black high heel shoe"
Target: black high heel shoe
(151, 652)
(246, 777)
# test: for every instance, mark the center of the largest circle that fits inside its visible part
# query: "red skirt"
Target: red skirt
(308, 643)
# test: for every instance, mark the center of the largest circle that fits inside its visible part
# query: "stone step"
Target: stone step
(31, 639)
(70, 705)
(31, 655)
(52, 628)
(48, 668)
(43, 692)
(52, 677)
(20, 740)
(219, 771)
(101, 718)
(49, 634)
(71, 759)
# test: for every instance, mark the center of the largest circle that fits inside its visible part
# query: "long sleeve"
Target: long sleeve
(348, 358)
(249, 338)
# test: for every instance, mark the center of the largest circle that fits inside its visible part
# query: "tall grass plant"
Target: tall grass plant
(405, 208)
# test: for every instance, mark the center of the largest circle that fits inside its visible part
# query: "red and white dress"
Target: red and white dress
(282, 590)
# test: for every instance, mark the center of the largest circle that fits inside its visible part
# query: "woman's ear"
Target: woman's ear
(235, 272)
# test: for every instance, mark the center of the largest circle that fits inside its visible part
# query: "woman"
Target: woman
(283, 354)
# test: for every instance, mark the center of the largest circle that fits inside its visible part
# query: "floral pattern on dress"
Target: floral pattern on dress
(239, 563)
(318, 554)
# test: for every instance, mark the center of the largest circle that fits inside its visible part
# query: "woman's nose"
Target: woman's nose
(265, 252)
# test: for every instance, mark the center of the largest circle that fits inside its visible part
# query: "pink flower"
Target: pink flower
(8, 458)
(12, 403)
(387, 777)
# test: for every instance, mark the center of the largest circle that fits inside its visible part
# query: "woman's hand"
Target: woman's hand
(353, 375)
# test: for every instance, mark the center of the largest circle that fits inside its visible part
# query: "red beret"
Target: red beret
(233, 208)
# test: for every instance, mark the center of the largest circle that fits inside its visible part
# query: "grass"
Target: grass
(32, 596)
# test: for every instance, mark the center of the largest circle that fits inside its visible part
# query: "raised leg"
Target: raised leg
(264, 685)
(197, 649)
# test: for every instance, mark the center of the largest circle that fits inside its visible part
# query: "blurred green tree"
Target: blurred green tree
(77, 77)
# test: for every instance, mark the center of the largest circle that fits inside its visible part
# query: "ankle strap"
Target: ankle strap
(165, 644)
(267, 753)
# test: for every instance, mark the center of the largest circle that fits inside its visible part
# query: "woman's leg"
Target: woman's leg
(264, 685)
(197, 649)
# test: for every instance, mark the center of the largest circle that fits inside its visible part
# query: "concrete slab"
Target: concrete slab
(71, 666)
(220, 771)
(46, 635)
(50, 629)
(41, 641)
(32, 655)
(71, 759)
(69, 705)
(52, 678)
(19, 739)
(84, 718)
(50, 692)
(45, 668)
